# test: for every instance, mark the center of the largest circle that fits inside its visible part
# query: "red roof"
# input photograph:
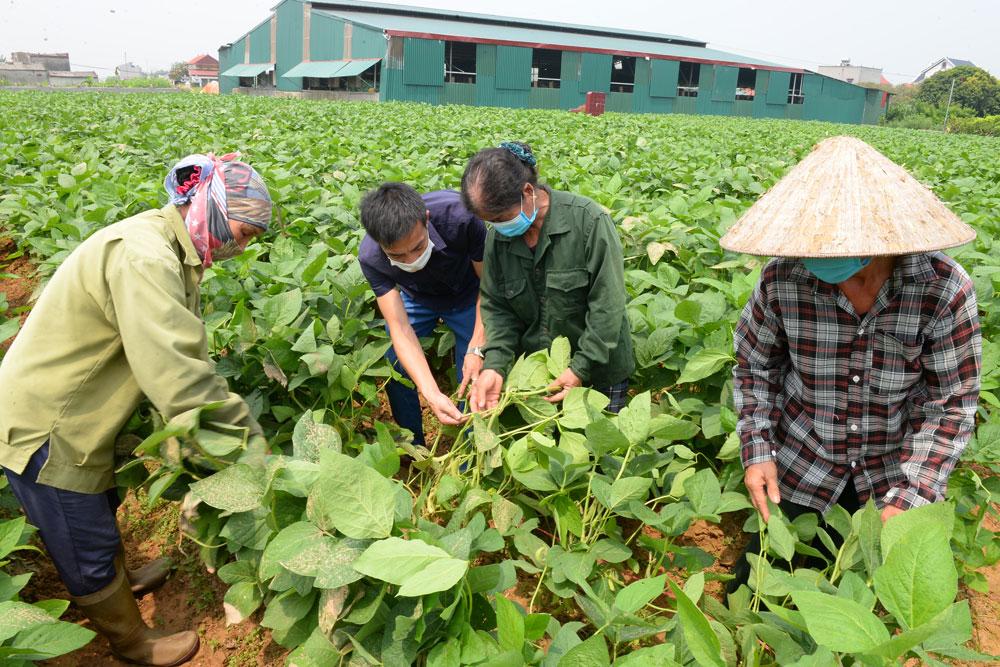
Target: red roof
(203, 72)
(205, 61)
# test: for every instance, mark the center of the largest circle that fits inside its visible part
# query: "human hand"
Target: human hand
(890, 511)
(485, 393)
(562, 385)
(445, 411)
(472, 366)
(761, 480)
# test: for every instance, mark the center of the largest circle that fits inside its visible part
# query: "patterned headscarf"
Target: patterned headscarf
(218, 189)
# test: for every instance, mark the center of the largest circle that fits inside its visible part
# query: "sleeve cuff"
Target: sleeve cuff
(580, 368)
(906, 497)
(755, 453)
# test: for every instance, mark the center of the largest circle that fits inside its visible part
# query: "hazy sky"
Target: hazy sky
(901, 36)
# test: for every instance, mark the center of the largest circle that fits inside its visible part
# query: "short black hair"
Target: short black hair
(389, 212)
(498, 176)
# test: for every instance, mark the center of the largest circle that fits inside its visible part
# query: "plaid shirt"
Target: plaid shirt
(888, 398)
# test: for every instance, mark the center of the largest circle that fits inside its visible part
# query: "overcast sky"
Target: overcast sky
(900, 36)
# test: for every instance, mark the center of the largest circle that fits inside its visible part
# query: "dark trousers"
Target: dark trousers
(848, 500)
(79, 529)
(403, 400)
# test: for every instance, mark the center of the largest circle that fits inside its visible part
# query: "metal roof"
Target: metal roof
(326, 69)
(489, 19)
(253, 69)
(539, 35)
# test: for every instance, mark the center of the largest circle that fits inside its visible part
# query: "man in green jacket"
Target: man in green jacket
(119, 321)
(553, 266)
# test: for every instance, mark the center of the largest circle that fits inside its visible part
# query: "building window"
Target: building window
(546, 68)
(622, 74)
(687, 79)
(459, 62)
(795, 95)
(746, 84)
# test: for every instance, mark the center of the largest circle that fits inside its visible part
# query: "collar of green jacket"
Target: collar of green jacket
(553, 224)
(177, 226)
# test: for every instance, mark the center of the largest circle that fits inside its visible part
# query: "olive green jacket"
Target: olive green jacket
(572, 284)
(119, 320)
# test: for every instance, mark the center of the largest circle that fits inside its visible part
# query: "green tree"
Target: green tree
(975, 88)
(179, 72)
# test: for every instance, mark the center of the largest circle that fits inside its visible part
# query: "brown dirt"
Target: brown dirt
(18, 290)
(985, 607)
(191, 599)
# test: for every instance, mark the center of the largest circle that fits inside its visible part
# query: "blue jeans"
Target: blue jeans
(403, 400)
(78, 529)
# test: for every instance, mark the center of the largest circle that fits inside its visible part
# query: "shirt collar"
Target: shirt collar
(435, 237)
(176, 223)
(916, 268)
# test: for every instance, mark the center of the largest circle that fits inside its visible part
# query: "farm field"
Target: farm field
(542, 535)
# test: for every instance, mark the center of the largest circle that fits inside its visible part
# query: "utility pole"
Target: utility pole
(948, 108)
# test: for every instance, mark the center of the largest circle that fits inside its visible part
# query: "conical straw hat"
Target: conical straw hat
(845, 199)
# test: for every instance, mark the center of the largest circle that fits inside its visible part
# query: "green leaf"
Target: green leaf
(701, 638)
(303, 549)
(51, 640)
(918, 579)
(283, 308)
(559, 356)
(581, 406)
(604, 437)
(639, 593)
(310, 438)
(840, 624)
(702, 490)
(634, 420)
(66, 181)
(661, 655)
(780, 536)
(619, 493)
(703, 364)
(590, 653)
(17, 616)
(8, 328)
(934, 515)
(510, 625)
(238, 488)
(350, 497)
(416, 567)
(241, 600)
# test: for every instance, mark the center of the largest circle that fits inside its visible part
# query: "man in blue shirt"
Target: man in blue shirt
(423, 256)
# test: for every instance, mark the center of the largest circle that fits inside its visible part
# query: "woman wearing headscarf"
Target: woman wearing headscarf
(118, 322)
(553, 266)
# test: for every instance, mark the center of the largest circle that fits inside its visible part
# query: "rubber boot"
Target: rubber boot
(149, 577)
(113, 612)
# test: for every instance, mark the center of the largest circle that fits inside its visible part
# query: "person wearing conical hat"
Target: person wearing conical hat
(858, 353)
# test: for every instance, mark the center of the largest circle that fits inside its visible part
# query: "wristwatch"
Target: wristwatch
(478, 351)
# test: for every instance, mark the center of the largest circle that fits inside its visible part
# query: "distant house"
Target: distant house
(202, 70)
(942, 65)
(856, 74)
(53, 62)
(23, 74)
(127, 71)
(64, 79)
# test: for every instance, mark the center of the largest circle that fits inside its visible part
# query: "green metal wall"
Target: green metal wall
(228, 57)
(260, 43)
(326, 37)
(288, 43)
(367, 43)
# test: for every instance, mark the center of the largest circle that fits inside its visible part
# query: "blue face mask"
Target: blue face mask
(519, 224)
(835, 270)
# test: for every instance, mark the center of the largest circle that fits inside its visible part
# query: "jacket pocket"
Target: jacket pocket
(567, 292)
(519, 299)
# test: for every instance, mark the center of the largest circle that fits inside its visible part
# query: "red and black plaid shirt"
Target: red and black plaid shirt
(888, 398)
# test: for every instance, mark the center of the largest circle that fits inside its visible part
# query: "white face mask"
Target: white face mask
(419, 262)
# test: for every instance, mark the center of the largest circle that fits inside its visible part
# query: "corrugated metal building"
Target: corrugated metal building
(446, 57)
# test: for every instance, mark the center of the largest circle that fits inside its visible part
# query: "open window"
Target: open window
(795, 95)
(622, 74)
(459, 62)
(546, 68)
(687, 79)
(746, 84)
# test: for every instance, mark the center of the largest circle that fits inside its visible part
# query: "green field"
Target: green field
(359, 546)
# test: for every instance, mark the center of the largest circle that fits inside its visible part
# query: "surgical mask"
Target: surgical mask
(835, 270)
(227, 250)
(419, 262)
(519, 224)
